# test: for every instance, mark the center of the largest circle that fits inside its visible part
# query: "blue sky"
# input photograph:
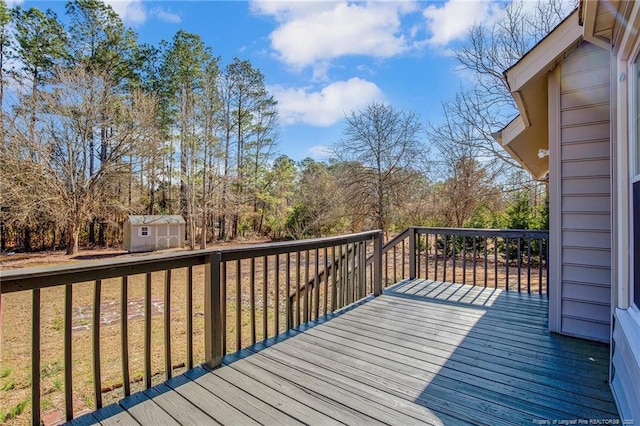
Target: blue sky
(322, 59)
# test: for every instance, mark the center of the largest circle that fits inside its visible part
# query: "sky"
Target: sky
(322, 59)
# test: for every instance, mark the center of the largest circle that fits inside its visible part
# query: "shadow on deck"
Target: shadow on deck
(423, 352)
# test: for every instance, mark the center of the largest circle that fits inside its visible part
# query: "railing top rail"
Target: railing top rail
(395, 240)
(470, 232)
(247, 252)
(48, 276)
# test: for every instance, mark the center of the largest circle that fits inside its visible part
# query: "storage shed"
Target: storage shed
(153, 232)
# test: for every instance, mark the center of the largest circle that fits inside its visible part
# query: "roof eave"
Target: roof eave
(509, 135)
(589, 9)
(543, 56)
(521, 138)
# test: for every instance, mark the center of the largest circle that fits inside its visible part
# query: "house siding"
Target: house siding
(625, 367)
(585, 193)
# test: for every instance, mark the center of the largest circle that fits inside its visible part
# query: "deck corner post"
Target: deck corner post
(412, 253)
(212, 311)
(377, 263)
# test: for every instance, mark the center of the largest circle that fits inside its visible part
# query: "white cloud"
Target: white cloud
(166, 16)
(325, 107)
(135, 12)
(131, 11)
(320, 152)
(312, 33)
(287, 9)
(451, 20)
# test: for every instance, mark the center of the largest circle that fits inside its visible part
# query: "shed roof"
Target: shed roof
(155, 219)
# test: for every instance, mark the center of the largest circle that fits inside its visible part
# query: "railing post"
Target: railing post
(377, 264)
(412, 253)
(212, 311)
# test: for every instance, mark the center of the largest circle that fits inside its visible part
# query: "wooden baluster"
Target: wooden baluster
(276, 297)
(486, 273)
(519, 264)
(453, 251)
(288, 292)
(426, 256)
(417, 257)
(464, 259)
(238, 305)
(395, 261)
(495, 261)
(341, 277)
(168, 367)
(147, 331)
(298, 288)
(529, 265)
(404, 259)
(35, 357)
(326, 281)
(334, 280)
(316, 286)
(97, 378)
(363, 269)
(252, 301)
(540, 247)
(68, 346)
(124, 333)
(435, 265)
(189, 313)
(506, 240)
(445, 254)
(475, 259)
(265, 279)
(306, 287)
(386, 268)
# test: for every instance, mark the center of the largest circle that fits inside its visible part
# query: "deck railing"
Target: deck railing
(235, 297)
(269, 282)
(514, 260)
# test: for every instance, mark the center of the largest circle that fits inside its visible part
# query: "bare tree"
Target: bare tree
(487, 105)
(57, 174)
(318, 201)
(383, 145)
(466, 178)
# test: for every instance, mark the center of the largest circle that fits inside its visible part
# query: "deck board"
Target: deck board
(497, 359)
(424, 352)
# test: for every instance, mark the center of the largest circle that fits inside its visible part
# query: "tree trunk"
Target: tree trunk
(3, 237)
(152, 190)
(92, 232)
(27, 239)
(222, 235)
(101, 234)
(203, 230)
(73, 230)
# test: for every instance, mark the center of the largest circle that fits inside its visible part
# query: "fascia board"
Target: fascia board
(543, 56)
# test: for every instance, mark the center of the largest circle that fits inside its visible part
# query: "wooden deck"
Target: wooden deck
(424, 352)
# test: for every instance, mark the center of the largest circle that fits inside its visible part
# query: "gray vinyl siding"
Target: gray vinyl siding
(586, 194)
(625, 369)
